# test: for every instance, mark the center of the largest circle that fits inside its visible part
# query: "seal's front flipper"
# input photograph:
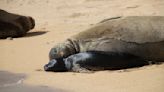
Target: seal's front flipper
(78, 69)
(73, 63)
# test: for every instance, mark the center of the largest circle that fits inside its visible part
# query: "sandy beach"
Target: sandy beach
(22, 59)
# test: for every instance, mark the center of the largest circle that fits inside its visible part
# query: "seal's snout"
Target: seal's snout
(50, 66)
(32, 22)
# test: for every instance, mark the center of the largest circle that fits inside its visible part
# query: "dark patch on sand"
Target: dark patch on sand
(10, 79)
(10, 82)
(27, 88)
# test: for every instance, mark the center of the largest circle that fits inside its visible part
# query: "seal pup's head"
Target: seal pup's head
(55, 66)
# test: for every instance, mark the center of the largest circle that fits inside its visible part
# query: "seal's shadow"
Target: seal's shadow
(31, 34)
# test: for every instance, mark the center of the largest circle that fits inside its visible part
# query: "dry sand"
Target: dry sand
(57, 20)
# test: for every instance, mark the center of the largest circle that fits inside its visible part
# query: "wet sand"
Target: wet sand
(56, 20)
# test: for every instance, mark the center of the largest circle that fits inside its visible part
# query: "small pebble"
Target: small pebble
(47, 43)
(125, 70)
(9, 38)
(74, 74)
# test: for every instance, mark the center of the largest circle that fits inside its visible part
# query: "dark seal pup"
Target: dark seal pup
(13, 25)
(116, 43)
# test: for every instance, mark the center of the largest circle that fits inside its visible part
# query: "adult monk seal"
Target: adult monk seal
(14, 25)
(116, 43)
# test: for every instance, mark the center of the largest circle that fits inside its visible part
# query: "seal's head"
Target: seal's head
(26, 22)
(61, 50)
(55, 66)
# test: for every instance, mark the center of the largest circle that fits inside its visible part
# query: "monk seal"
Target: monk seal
(14, 25)
(116, 43)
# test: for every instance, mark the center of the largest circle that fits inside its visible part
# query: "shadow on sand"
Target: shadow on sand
(10, 82)
(31, 34)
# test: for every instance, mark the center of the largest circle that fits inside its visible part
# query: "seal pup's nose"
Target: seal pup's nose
(50, 65)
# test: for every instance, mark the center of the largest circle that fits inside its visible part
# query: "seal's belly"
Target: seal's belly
(149, 51)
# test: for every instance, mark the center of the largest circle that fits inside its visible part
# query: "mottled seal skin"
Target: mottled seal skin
(14, 25)
(124, 41)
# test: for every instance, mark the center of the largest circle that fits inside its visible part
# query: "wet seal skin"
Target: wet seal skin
(116, 43)
(14, 25)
